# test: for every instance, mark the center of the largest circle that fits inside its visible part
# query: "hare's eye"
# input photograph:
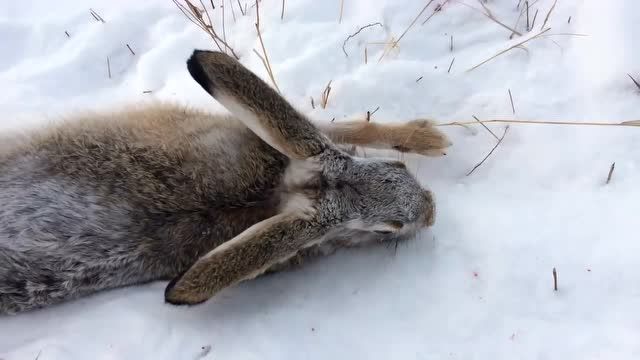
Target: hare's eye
(383, 232)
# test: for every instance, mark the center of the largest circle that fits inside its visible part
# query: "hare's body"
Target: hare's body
(108, 200)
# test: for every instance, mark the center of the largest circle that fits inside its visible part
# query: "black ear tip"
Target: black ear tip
(194, 66)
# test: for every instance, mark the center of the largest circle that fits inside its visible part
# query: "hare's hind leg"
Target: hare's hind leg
(416, 136)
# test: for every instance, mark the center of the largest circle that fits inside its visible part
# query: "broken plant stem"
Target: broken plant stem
(265, 60)
(490, 152)
(509, 48)
(513, 108)
(395, 43)
(555, 280)
(631, 123)
(486, 128)
(546, 18)
(613, 166)
(344, 43)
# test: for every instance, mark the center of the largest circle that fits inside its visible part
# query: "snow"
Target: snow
(478, 284)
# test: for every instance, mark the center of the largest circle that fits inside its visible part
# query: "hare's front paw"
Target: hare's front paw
(421, 137)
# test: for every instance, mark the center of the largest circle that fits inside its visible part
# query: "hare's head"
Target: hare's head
(385, 197)
(366, 194)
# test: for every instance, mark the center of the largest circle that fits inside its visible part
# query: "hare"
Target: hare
(163, 192)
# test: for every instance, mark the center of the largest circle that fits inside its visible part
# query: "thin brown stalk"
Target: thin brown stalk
(366, 57)
(324, 99)
(420, 78)
(233, 12)
(486, 128)
(634, 81)
(282, 12)
(509, 48)
(96, 16)
(265, 60)
(240, 6)
(108, 67)
(450, 65)
(224, 29)
(130, 49)
(527, 5)
(565, 34)
(195, 15)
(344, 43)
(313, 105)
(341, 11)
(522, 12)
(370, 113)
(395, 43)
(513, 108)
(631, 123)
(569, 20)
(490, 152)
(437, 9)
(451, 44)
(546, 18)
(533, 22)
(555, 279)
(490, 16)
(67, 33)
(613, 166)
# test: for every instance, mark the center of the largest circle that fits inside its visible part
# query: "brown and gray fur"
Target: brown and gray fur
(162, 192)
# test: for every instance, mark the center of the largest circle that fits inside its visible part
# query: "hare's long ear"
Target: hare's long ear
(245, 256)
(256, 104)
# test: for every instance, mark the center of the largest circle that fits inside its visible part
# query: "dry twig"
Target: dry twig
(490, 152)
(486, 128)
(546, 18)
(634, 81)
(344, 43)
(450, 65)
(555, 280)
(130, 49)
(313, 105)
(96, 16)
(241, 11)
(369, 113)
(282, 12)
(265, 59)
(325, 95)
(108, 68)
(195, 15)
(511, 99)
(395, 43)
(341, 11)
(533, 22)
(613, 166)
(490, 15)
(67, 33)
(436, 10)
(631, 123)
(509, 48)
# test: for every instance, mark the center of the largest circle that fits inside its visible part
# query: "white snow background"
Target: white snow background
(478, 284)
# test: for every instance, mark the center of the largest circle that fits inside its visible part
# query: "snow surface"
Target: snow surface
(477, 285)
